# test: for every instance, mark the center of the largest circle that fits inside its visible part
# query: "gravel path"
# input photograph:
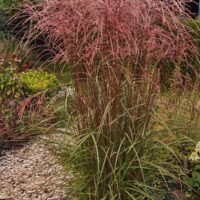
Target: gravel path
(31, 173)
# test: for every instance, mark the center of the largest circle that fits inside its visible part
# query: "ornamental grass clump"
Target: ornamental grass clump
(117, 50)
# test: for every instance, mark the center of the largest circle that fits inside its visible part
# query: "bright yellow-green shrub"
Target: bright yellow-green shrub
(37, 81)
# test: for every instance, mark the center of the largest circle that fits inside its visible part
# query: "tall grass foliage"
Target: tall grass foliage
(116, 49)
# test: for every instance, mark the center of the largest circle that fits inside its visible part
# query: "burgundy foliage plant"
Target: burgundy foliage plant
(110, 42)
(116, 50)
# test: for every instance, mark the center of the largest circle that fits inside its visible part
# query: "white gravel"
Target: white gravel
(31, 173)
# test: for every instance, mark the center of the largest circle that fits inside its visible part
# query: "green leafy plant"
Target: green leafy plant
(36, 81)
(10, 86)
(194, 184)
(11, 90)
(194, 180)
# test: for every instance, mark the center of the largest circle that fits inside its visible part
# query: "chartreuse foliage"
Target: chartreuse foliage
(37, 81)
(15, 84)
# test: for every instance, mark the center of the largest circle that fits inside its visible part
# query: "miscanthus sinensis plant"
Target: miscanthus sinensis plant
(116, 50)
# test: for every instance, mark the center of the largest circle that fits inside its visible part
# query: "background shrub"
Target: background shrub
(35, 80)
(195, 25)
(10, 86)
(23, 96)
